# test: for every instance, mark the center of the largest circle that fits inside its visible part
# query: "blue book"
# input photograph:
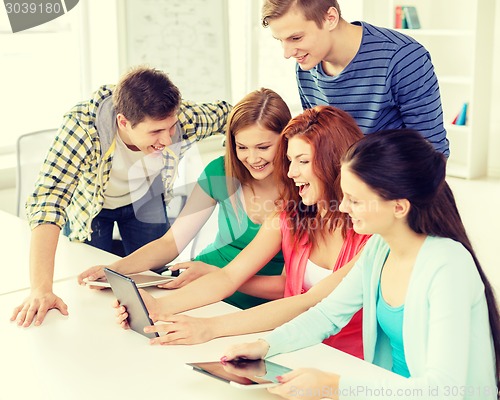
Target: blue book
(462, 116)
(411, 17)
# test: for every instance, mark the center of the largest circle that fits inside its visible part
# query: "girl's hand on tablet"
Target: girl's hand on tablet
(151, 304)
(121, 311)
(251, 351)
(91, 274)
(181, 329)
(121, 315)
(192, 270)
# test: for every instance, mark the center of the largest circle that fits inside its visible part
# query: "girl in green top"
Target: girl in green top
(242, 184)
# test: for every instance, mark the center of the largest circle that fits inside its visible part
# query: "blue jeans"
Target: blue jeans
(135, 232)
(139, 223)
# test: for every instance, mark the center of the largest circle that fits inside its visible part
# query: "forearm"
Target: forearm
(261, 318)
(196, 212)
(275, 313)
(207, 289)
(327, 317)
(265, 287)
(153, 255)
(43, 247)
(219, 284)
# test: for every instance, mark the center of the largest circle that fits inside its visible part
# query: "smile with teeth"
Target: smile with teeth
(158, 147)
(302, 186)
(259, 167)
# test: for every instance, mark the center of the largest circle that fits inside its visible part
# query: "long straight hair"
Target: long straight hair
(330, 132)
(264, 108)
(401, 164)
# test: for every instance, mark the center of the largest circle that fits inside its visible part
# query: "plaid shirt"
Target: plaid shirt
(73, 178)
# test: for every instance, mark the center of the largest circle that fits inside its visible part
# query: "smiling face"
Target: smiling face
(300, 154)
(149, 136)
(302, 39)
(369, 212)
(255, 148)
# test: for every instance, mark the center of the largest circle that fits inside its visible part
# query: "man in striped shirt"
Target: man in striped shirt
(382, 77)
(114, 160)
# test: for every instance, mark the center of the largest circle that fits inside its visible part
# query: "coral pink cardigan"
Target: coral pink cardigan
(349, 339)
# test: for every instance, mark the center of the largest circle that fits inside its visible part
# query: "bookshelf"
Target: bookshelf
(459, 37)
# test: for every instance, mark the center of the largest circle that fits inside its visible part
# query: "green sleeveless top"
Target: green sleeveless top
(235, 231)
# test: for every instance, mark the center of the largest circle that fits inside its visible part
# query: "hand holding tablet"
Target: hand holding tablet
(125, 290)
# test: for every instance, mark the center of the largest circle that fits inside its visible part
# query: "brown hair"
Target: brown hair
(262, 107)
(146, 92)
(313, 10)
(330, 132)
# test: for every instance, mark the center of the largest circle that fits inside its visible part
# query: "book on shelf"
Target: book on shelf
(461, 118)
(398, 17)
(411, 17)
(406, 17)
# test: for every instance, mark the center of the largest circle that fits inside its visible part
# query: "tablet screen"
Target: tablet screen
(243, 372)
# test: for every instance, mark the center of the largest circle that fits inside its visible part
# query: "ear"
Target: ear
(121, 120)
(331, 18)
(401, 208)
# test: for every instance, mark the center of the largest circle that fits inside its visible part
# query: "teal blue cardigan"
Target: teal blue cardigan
(447, 337)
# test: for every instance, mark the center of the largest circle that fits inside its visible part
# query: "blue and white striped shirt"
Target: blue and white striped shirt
(389, 84)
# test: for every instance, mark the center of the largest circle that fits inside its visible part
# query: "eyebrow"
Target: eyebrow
(294, 34)
(258, 144)
(299, 155)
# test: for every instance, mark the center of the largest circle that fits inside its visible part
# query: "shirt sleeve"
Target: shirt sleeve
(59, 174)
(416, 91)
(200, 120)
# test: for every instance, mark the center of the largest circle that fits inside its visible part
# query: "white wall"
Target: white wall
(494, 153)
(103, 42)
(100, 44)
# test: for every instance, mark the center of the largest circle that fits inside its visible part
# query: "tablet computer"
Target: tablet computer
(125, 290)
(141, 279)
(243, 373)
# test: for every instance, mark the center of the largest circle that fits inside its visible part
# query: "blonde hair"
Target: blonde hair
(313, 10)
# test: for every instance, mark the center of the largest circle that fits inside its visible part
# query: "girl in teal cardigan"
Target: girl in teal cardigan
(429, 312)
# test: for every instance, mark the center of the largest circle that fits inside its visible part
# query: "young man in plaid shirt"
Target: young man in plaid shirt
(114, 159)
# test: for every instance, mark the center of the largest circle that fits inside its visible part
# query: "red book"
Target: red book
(398, 20)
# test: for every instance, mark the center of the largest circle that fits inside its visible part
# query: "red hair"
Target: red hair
(330, 132)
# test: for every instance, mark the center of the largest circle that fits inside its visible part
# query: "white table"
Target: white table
(71, 257)
(88, 356)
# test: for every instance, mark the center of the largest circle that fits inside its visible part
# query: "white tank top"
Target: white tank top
(313, 274)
